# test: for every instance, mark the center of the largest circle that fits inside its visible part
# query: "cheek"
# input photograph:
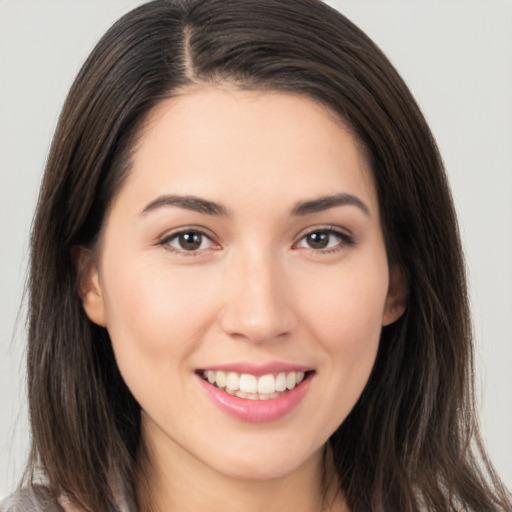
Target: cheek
(346, 320)
(347, 323)
(348, 312)
(154, 318)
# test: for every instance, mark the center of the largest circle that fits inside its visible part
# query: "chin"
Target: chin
(266, 465)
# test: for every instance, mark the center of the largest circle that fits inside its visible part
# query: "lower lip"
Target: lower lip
(256, 411)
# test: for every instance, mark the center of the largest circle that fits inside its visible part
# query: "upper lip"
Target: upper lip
(273, 367)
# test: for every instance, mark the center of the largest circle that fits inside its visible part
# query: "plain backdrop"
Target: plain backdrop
(455, 55)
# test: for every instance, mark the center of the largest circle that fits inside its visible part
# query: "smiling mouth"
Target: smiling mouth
(252, 387)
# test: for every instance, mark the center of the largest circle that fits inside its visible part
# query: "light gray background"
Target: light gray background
(455, 55)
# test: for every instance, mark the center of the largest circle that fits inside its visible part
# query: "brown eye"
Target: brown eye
(188, 241)
(318, 240)
(324, 240)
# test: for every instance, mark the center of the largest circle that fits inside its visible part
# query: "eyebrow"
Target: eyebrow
(193, 203)
(324, 203)
(206, 207)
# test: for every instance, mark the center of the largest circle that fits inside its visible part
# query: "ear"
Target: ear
(88, 285)
(398, 292)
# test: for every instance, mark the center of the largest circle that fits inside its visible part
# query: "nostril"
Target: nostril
(256, 326)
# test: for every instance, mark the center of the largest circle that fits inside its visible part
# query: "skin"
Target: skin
(255, 291)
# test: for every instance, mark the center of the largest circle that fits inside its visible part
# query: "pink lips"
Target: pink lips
(257, 411)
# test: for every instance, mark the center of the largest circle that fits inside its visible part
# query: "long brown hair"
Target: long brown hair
(412, 440)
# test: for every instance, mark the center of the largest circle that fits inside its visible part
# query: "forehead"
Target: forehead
(212, 141)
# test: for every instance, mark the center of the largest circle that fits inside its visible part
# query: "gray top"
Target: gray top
(38, 499)
(35, 499)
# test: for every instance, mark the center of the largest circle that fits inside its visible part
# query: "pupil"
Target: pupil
(190, 241)
(318, 240)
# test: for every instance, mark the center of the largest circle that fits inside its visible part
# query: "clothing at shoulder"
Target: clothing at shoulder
(34, 499)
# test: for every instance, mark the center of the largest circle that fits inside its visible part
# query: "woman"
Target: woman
(234, 302)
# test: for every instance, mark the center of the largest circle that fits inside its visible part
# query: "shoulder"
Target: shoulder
(33, 499)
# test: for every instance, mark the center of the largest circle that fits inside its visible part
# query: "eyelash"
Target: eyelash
(344, 240)
(166, 241)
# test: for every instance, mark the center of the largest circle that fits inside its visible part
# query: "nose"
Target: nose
(257, 302)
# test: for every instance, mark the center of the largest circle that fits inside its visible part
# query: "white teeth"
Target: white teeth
(281, 382)
(251, 387)
(269, 396)
(266, 384)
(233, 381)
(221, 379)
(248, 383)
(291, 380)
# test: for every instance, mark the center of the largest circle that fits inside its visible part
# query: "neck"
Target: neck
(183, 483)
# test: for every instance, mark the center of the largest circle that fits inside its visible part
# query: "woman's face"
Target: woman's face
(243, 279)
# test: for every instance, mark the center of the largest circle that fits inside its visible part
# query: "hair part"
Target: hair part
(410, 439)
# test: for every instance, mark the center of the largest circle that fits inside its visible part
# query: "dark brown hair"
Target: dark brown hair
(412, 440)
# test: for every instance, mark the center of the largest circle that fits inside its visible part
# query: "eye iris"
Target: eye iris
(190, 241)
(318, 240)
